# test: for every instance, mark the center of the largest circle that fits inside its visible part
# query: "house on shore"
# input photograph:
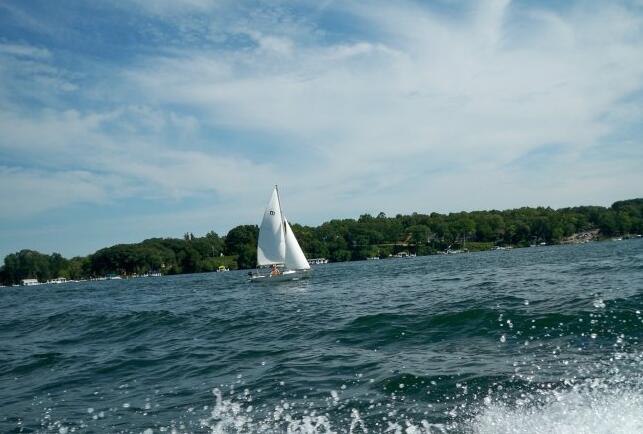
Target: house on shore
(317, 261)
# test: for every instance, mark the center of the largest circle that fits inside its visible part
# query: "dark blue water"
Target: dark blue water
(543, 339)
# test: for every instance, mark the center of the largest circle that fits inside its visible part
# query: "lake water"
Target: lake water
(545, 340)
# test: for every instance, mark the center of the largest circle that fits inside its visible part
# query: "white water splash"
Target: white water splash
(575, 411)
(233, 417)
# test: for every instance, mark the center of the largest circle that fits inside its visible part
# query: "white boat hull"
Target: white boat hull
(286, 276)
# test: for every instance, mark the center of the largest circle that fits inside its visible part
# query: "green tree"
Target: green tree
(241, 241)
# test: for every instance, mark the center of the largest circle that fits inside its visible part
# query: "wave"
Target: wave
(580, 319)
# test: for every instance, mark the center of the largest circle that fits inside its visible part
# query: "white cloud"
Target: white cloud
(27, 71)
(27, 191)
(128, 147)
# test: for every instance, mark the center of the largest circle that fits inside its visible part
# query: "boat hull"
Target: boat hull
(286, 276)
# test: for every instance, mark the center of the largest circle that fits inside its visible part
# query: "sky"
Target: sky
(130, 119)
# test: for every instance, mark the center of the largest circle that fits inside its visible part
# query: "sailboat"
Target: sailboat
(278, 248)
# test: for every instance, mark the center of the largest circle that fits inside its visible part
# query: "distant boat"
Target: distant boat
(454, 251)
(450, 251)
(318, 261)
(401, 255)
(222, 268)
(278, 248)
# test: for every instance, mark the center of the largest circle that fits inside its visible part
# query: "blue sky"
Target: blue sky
(123, 120)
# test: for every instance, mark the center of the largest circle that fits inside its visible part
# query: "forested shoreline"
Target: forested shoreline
(338, 240)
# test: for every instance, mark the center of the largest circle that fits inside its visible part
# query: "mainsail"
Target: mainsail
(271, 248)
(295, 258)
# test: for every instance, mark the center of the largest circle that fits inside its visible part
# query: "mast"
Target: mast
(281, 213)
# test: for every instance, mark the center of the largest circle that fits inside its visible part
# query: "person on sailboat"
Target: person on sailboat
(275, 271)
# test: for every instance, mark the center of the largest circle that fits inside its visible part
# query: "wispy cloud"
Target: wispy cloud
(29, 191)
(429, 87)
(26, 51)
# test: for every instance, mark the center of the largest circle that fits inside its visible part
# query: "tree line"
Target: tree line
(337, 240)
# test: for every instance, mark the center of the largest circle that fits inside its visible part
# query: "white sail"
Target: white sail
(295, 258)
(271, 247)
